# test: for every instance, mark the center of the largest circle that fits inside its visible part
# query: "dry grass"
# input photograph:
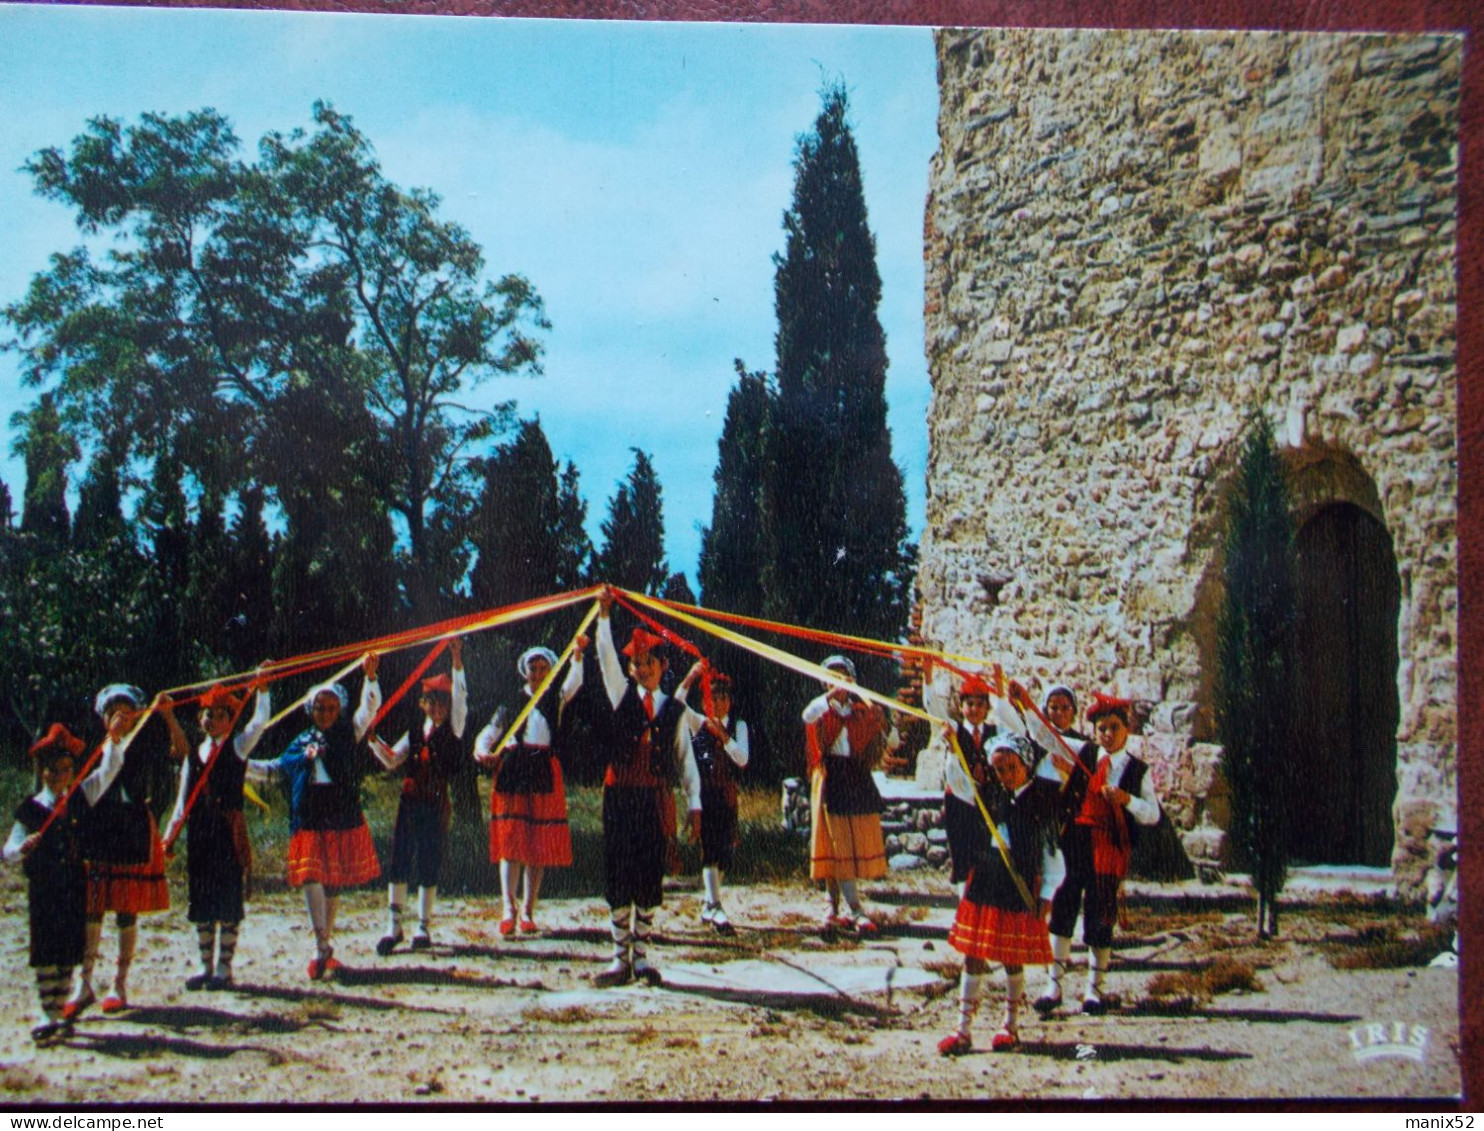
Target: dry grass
(1227, 975)
(1180, 991)
(15, 1081)
(566, 1015)
(644, 1035)
(315, 1010)
(1386, 946)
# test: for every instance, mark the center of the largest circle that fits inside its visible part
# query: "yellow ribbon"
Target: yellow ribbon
(525, 712)
(804, 667)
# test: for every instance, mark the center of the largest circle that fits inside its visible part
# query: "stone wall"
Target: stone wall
(1133, 241)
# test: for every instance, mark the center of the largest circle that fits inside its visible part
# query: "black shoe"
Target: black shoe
(388, 943)
(644, 972)
(1093, 1005)
(198, 982)
(219, 982)
(617, 973)
(1046, 1003)
(421, 942)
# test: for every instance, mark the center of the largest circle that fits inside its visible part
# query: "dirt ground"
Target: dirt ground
(480, 1018)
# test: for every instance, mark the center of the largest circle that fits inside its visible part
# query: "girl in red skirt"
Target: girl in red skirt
(329, 844)
(528, 804)
(126, 870)
(994, 923)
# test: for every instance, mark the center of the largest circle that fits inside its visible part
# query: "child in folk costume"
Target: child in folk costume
(1098, 842)
(650, 752)
(968, 837)
(126, 858)
(528, 801)
(1000, 919)
(218, 852)
(1056, 734)
(721, 748)
(329, 844)
(56, 875)
(421, 830)
(845, 841)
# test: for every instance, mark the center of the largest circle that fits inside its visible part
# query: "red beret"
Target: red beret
(440, 683)
(58, 740)
(642, 642)
(219, 696)
(974, 685)
(1109, 705)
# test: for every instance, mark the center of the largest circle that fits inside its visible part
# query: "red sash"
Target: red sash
(1108, 824)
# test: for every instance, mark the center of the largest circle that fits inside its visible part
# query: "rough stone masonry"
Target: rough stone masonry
(1133, 241)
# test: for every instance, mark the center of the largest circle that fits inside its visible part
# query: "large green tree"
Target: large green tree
(522, 529)
(1255, 653)
(633, 553)
(832, 499)
(298, 321)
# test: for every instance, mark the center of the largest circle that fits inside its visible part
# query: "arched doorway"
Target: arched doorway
(1347, 706)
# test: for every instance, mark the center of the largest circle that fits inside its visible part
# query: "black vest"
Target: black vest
(630, 725)
(524, 768)
(431, 763)
(57, 858)
(1030, 820)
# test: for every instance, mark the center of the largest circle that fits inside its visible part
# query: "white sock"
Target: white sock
(711, 877)
(128, 943)
(426, 898)
(1014, 991)
(315, 904)
(1097, 965)
(968, 1001)
(534, 872)
(396, 900)
(508, 886)
(852, 897)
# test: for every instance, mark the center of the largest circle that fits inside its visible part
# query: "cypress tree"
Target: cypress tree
(1254, 697)
(834, 508)
(633, 553)
(518, 523)
(574, 549)
(47, 450)
(250, 592)
(100, 503)
(732, 551)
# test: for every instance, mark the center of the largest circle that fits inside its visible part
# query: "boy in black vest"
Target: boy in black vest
(649, 753)
(1099, 839)
(422, 814)
(57, 878)
(722, 750)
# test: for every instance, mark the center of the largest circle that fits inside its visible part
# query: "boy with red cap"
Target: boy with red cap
(1098, 842)
(650, 753)
(1001, 917)
(421, 830)
(722, 749)
(845, 841)
(56, 876)
(528, 799)
(218, 852)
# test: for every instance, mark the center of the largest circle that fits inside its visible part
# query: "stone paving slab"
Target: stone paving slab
(760, 980)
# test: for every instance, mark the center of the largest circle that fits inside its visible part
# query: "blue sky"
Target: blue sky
(636, 173)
